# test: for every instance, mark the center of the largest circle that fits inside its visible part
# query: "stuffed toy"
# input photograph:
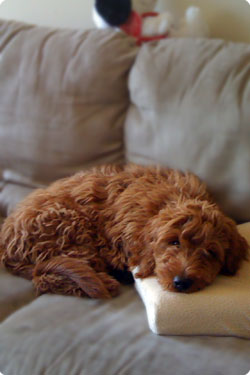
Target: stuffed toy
(148, 26)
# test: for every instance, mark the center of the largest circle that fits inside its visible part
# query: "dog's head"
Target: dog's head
(191, 243)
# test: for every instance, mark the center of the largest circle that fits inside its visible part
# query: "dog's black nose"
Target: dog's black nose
(182, 284)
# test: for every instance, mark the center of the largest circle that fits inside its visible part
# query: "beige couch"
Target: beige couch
(73, 99)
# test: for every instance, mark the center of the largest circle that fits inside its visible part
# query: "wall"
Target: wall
(57, 13)
(229, 19)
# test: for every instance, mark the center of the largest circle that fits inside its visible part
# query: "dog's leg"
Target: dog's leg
(72, 276)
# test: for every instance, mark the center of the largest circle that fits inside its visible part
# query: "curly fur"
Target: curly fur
(70, 237)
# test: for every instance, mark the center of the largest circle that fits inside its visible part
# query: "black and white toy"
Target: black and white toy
(149, 26)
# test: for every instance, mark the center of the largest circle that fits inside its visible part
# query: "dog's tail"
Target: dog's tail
(73, 276)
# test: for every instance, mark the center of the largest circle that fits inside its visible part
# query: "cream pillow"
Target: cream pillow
(221, 309)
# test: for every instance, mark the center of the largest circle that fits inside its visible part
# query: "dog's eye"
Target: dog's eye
(212, 253)
(174, 243)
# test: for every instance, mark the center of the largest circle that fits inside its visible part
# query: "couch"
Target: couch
(72, 99)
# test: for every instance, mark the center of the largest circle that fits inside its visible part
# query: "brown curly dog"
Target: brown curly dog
(69, 237)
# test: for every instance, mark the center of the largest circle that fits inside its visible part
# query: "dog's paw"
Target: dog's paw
(113, 288)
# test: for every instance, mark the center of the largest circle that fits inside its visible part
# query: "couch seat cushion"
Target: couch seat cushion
(66, 335)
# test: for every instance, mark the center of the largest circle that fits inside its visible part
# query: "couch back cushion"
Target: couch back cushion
(190, 110)
(63, 101)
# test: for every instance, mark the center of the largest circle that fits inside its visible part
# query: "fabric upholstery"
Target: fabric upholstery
(15, 292)
(223, 308)
(65, 335)
(63, 101)
(190, 110)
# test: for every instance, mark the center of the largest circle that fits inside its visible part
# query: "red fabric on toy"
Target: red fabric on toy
(133, 27)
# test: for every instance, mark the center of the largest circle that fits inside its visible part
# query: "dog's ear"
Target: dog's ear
(236, 251)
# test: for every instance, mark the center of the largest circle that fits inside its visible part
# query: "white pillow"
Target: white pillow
(222, 309)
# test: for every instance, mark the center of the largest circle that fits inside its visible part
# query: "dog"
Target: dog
(72, 236)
